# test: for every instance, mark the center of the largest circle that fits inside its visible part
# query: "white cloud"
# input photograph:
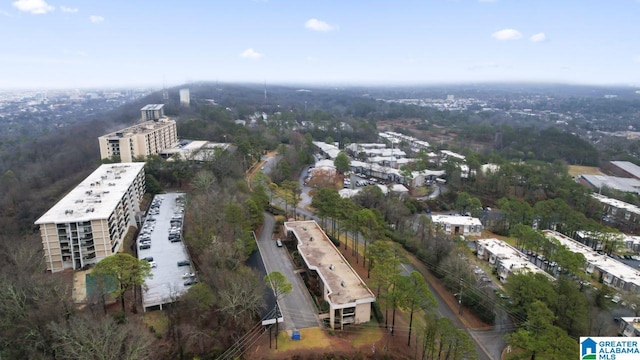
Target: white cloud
(68, 9)
(251, 54)
(318, 25)
(539, 37)
(96, 19)
(507, 34)
(33, 6)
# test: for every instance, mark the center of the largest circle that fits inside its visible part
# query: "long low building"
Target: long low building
(91, 221)
(610, 271)
(348, 296)
(506, 259)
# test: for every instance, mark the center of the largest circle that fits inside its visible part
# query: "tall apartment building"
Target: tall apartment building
(156, 133)
(90, 222)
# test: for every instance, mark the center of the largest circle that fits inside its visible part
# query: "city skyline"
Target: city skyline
(72, 44)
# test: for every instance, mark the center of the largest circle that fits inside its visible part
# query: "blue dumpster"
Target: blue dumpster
(295, 335)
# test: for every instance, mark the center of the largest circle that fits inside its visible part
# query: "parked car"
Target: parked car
(145, 246)
(188, 275)
(616, 299)
(191, 282)
(279, 243)
(184, 263)
(148, 258)
(153, 264)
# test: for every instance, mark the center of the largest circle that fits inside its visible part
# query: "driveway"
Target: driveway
(297, 307)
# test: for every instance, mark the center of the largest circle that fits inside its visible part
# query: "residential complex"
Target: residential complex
(348, 296)
(156, 133)
(458, 224)
(630, 326)
(91, 221)
(620, 214)
(606, 269)
(506, 259)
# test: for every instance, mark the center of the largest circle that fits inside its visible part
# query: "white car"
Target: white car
(153, 264)
(188, 275)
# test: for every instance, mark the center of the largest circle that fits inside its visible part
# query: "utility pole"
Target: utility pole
(460, 299)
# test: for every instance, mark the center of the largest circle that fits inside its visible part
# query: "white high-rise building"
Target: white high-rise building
(91, 222)
(185, 98)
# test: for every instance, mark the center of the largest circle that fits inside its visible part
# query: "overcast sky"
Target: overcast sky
(79, 43)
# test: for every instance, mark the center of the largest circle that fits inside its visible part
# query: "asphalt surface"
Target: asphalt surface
(298, 309)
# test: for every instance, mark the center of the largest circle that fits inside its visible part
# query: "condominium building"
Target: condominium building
(156, 133)
(90, 223)
(458, 224)
(506, 259)
(348, 296)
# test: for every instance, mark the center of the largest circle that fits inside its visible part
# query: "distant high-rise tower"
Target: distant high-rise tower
(165, 92)
(185, 99)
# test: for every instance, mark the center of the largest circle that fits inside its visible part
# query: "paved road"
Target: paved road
(297, 308)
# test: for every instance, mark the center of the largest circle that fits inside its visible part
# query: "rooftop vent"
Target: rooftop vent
(311, 238)
(79, 201)
(331, 267)
(343, 284)
(68, 212)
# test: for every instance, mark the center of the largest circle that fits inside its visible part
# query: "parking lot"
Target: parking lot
(160, 243)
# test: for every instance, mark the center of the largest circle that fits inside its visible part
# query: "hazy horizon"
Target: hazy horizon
(73, 44)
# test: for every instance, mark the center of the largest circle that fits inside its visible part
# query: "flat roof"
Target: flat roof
(510, 257)
(167, 282)
(455, 219)
(320, 254)
(605, 263)
(152, 107)
(197, 150)
(140, 128)
(96, 196)
(617, 203)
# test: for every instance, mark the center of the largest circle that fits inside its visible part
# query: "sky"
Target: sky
(114, 43)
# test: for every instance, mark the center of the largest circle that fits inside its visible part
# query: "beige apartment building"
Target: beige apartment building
(90, 223)
(156, 133)
(348, 296)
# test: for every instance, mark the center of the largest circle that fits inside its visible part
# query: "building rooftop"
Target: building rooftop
(320, 254)
(629, 167)
(456, 219)
(510, 257)
(331, 150)
(613, 182)
(604, 262)
(141, 128)
(152, 107)
(617, 203)
(196, 150)
(96, 196)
